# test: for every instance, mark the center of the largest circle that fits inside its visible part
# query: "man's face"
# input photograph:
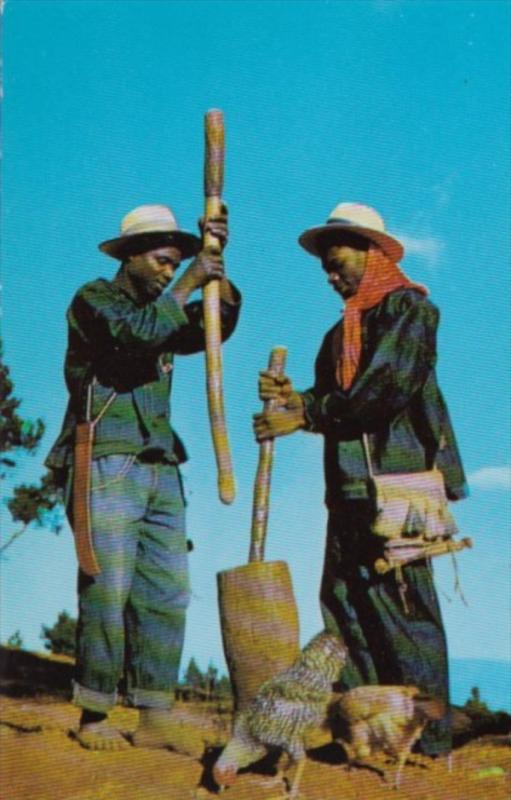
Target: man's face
(345, 267)
(152, 271)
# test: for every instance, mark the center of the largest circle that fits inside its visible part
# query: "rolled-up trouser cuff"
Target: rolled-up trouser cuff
(93, 700)
(149, 698)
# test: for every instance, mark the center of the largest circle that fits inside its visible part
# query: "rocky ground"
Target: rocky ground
(41, 760)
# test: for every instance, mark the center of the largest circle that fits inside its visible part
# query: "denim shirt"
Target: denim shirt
(394, 399)
(117, 344)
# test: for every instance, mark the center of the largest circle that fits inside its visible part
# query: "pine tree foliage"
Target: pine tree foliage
(30, 503)
(15, 640)
(61, 637)
(193, 675)
(16, 433)
(207, 685)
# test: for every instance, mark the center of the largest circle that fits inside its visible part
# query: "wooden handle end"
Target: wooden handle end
(277, 362)
(214, 116)
(226, 488)
(214, 158)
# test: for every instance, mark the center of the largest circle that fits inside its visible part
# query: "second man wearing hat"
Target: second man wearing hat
(375, 382)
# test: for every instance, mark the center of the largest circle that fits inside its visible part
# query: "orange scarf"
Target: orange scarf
(381, 276)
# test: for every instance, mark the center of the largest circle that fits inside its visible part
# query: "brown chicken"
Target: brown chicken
(384, 718)
(285, 708)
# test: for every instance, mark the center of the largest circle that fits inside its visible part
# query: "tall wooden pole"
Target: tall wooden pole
(213, 186)
(260, 507)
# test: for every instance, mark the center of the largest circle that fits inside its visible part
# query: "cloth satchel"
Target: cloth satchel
(413, 520)
(409, 505)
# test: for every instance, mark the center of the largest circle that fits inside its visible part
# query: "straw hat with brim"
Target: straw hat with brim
(352, 218)
(149, 227)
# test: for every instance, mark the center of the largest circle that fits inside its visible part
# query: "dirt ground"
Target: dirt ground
(40, 760)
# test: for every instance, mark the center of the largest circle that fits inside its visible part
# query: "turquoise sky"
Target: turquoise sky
(400, 104)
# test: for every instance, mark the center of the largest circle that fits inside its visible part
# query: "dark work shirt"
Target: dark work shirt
(394, 398)
(117, 344)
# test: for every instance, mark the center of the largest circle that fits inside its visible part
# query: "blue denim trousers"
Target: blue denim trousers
(132, 616)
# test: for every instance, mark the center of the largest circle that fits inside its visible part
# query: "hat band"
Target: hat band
(341, 221)
(154, 226)
(352, 223)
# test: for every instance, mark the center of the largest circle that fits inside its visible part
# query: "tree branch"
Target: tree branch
(13, 538)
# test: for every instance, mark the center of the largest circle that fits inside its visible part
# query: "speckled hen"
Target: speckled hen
(285, 708)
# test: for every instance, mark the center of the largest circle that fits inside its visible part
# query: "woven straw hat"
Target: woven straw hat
(154, 225)
(353, 218)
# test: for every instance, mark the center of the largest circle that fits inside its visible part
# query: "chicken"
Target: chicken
(384, 718)
(285, 708)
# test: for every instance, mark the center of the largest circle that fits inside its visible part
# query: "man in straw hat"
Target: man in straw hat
(123, 335)
(374, 375)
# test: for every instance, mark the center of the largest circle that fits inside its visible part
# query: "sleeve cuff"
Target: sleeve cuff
(318, 412)
(309, 402)
(236, 294)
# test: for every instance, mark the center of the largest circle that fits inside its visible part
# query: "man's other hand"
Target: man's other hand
(268, 425)
(204, 268)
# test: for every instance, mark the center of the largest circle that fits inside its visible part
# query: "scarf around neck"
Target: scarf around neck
(381, 277)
